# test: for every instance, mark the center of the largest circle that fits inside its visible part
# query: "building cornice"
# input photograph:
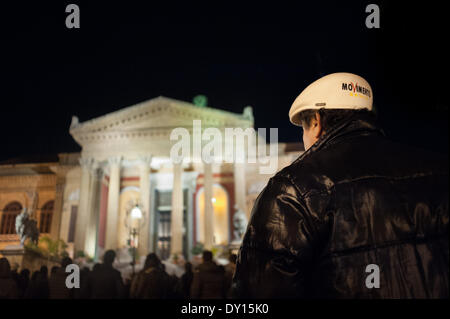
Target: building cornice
(28, 182)
(155, 118)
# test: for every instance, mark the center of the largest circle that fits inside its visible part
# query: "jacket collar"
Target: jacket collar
(356, 125)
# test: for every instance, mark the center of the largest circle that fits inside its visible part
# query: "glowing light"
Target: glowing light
(136, 213)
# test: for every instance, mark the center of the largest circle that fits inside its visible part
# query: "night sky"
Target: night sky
(236, 55)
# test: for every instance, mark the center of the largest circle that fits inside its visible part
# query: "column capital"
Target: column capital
(114, 160)
(86, 162)
(145, 160)
(177, 160)
(185, 166)
(94, 164)
(96, 169)
(104, 170)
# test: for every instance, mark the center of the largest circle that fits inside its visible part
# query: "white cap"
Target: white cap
(333, 91)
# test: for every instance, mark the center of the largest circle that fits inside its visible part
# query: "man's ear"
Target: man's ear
(318, 130)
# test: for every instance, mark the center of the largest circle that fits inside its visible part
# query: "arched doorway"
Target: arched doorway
(221, 225)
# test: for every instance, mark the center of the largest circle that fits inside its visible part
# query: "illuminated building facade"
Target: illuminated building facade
(86, 198)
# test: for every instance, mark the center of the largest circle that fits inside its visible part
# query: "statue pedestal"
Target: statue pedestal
(26, 259)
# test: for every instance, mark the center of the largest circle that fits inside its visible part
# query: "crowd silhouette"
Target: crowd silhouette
(207, 280)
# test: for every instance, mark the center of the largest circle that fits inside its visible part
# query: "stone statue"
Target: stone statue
(248, 113)
(200, 100)
(75, 122)
(26, 227)
(239, 223)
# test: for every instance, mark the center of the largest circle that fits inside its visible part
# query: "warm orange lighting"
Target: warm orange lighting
(220, 220)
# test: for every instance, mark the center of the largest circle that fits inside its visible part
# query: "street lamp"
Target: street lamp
(135, 216)
(136, 212)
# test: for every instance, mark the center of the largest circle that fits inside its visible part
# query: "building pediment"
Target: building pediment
(158, 114)
(146, 127)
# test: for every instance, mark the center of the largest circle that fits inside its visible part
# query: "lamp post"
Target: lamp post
(135, 217)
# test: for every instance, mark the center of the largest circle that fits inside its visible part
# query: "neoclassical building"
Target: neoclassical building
(87, 198)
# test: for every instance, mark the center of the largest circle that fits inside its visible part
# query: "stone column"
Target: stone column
(83, 207)
(240, 189)
(55, 230)
(209, 209)
(112, 218)
(176, 221)
(94, 211)
(146, 231)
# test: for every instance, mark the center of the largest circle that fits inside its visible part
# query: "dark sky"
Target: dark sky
(258, 55)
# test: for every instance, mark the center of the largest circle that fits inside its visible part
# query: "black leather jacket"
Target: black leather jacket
(353, 199)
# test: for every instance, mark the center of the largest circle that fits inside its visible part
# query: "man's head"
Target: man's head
(152, 260)
(316, 123)
(66, 261)
(5, 268)
(207, 256)
(109, 256)
(328, 101)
